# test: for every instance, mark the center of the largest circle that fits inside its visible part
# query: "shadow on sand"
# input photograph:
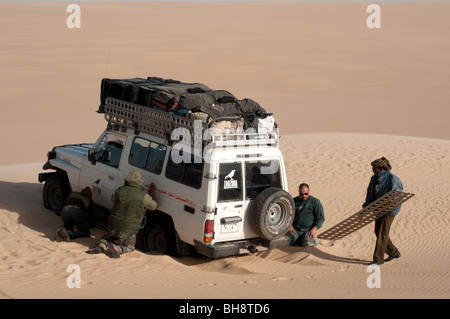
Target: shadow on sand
(25, 199)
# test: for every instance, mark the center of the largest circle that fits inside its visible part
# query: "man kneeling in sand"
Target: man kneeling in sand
(130, 203)
(309, 217)
(77, 215)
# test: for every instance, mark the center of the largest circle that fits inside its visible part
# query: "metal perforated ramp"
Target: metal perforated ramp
(367, 215)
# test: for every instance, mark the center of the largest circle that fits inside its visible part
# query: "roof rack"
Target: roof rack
(122, 115)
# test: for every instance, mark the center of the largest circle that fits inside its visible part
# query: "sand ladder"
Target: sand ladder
(365, 216)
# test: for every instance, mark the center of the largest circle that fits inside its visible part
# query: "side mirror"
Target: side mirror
(91, 156)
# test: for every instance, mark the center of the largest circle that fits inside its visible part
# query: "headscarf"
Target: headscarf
(382, 163)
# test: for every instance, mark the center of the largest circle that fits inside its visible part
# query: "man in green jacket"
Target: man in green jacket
(309, 217)
(130, 204)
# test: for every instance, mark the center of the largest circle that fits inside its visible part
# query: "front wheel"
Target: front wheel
(273, 213)
(56, 190)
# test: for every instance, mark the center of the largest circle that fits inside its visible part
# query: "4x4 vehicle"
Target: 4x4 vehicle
(222, 193)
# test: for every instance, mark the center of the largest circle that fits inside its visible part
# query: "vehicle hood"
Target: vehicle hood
(72, 154)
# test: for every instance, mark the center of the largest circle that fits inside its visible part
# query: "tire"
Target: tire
(159, 237)
(56, 190)
(272, 213)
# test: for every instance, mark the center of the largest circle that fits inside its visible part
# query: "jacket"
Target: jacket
(308, 214)
(381, 185)
(130, 203)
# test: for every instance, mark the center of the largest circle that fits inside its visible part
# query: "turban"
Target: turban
(382, 163)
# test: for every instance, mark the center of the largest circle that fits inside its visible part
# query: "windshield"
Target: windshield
(109, 149)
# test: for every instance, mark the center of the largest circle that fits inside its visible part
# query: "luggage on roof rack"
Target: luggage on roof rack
(140, 91)
(154, 104)
(122, 115)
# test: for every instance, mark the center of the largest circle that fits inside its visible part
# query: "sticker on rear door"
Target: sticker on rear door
(229, 182)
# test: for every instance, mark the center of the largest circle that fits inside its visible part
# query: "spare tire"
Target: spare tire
(272, 213)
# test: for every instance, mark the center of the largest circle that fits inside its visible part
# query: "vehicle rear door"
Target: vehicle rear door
(230, 207)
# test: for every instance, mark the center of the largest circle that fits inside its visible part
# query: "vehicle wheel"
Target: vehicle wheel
(273, 213)
(159, 237)
(56, 190)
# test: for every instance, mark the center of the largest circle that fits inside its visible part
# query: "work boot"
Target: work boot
(113, 253)
(392, 257)
(96, 250)
(58, 237)
(61, 235)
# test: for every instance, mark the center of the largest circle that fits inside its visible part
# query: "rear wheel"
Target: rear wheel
(159, 237)
(56, 190)
(273, 213)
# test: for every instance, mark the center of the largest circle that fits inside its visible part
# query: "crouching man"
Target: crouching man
(309, 217)
(130, 204)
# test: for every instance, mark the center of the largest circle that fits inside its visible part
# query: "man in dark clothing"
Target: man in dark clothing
(381, 183)
(309, 217)
(77, 212)
(130, 204)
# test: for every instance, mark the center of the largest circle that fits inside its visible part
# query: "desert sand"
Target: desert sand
(343, 95)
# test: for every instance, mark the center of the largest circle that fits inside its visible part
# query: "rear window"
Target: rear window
(259, 176)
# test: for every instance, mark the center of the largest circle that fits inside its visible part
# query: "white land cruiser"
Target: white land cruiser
(224, 194)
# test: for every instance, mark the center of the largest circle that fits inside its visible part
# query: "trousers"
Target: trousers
(123, 242)
(383, 243)
(75, 217)
(301, 237)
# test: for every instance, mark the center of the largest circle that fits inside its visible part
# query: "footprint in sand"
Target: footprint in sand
(248, 282)
(125, 283)
(282, 279)
(342, 268)
(207, 284)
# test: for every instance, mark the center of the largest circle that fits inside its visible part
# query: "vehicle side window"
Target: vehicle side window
(174, 171)
(230, 182)
(193, 174)
(190, 174)
(110, 150)
(258, 176)
(147, 155)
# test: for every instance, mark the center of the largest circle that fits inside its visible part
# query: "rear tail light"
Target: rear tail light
(209, 231)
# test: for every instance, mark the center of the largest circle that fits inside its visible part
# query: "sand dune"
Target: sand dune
(342, 94)
(318, 62)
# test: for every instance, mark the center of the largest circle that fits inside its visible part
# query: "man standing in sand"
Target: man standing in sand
(130, 204)
(309, 217)
(381, 183)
